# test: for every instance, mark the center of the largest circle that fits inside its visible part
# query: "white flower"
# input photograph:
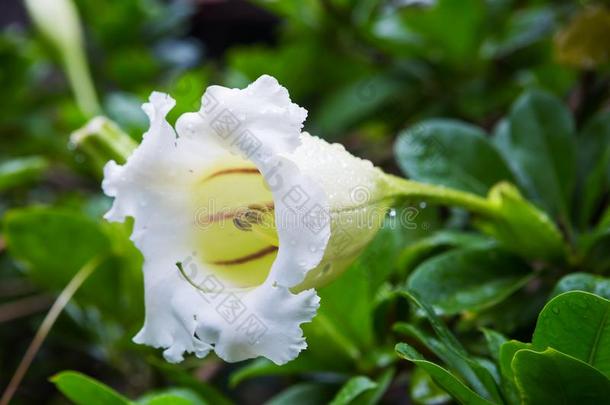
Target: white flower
(234, 215)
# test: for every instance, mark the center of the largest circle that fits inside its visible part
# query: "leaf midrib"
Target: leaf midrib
(593, 351)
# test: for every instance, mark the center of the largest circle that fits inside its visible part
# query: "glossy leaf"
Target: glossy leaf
(577, 323)
(584, 282)
(537, 140)
(450, 383)
(451, 351)
(468, 279)
(594, 165)
(419, 250)
(551, 377)
(451, 153)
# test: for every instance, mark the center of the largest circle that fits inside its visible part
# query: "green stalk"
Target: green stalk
(102, 140)
(408, 189)
(79, 76)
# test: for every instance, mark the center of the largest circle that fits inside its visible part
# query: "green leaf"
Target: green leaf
(584, 282)
(172, 396)
(469, 279)
(16, 172)
(518, 311)
(521, 227)
(343, 328)
(451, 153)
(494, 340)
(302, 394)
(551, 377)
(43, 240)
(594, 165)
(524, 28)
(459, 45)
(83, 390)
(537, 140)
(373, 396)
(352, 389)
(182, 377)
(452, 352)
(169, 399)
(507, 353)
(355, 101)
(577, 323)
(263, 367)
(424, 391)
(455, 359)
(447, 381)
(416, 252)
(593, 246)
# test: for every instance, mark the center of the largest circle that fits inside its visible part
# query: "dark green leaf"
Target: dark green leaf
(584, 282)
(451, 153)
(302, 394)
(551, 377)
(424, 391)
(454, 353)
(577, 323)
(456, 388)
(460, 44)
(416, 252)
(469, 279)
(594, 165)
(524, 28)
(537, 140)
(494, 340)
(355, 101)
(263, 367)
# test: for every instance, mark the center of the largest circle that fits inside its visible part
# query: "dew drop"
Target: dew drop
(423, 205)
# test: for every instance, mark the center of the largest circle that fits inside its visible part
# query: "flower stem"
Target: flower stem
(48, 322)
(102, 140)
(402, 188)
(79, 76)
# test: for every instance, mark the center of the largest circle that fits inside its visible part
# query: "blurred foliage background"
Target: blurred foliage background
(365, 70)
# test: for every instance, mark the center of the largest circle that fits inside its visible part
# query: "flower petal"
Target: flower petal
(191, 307)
